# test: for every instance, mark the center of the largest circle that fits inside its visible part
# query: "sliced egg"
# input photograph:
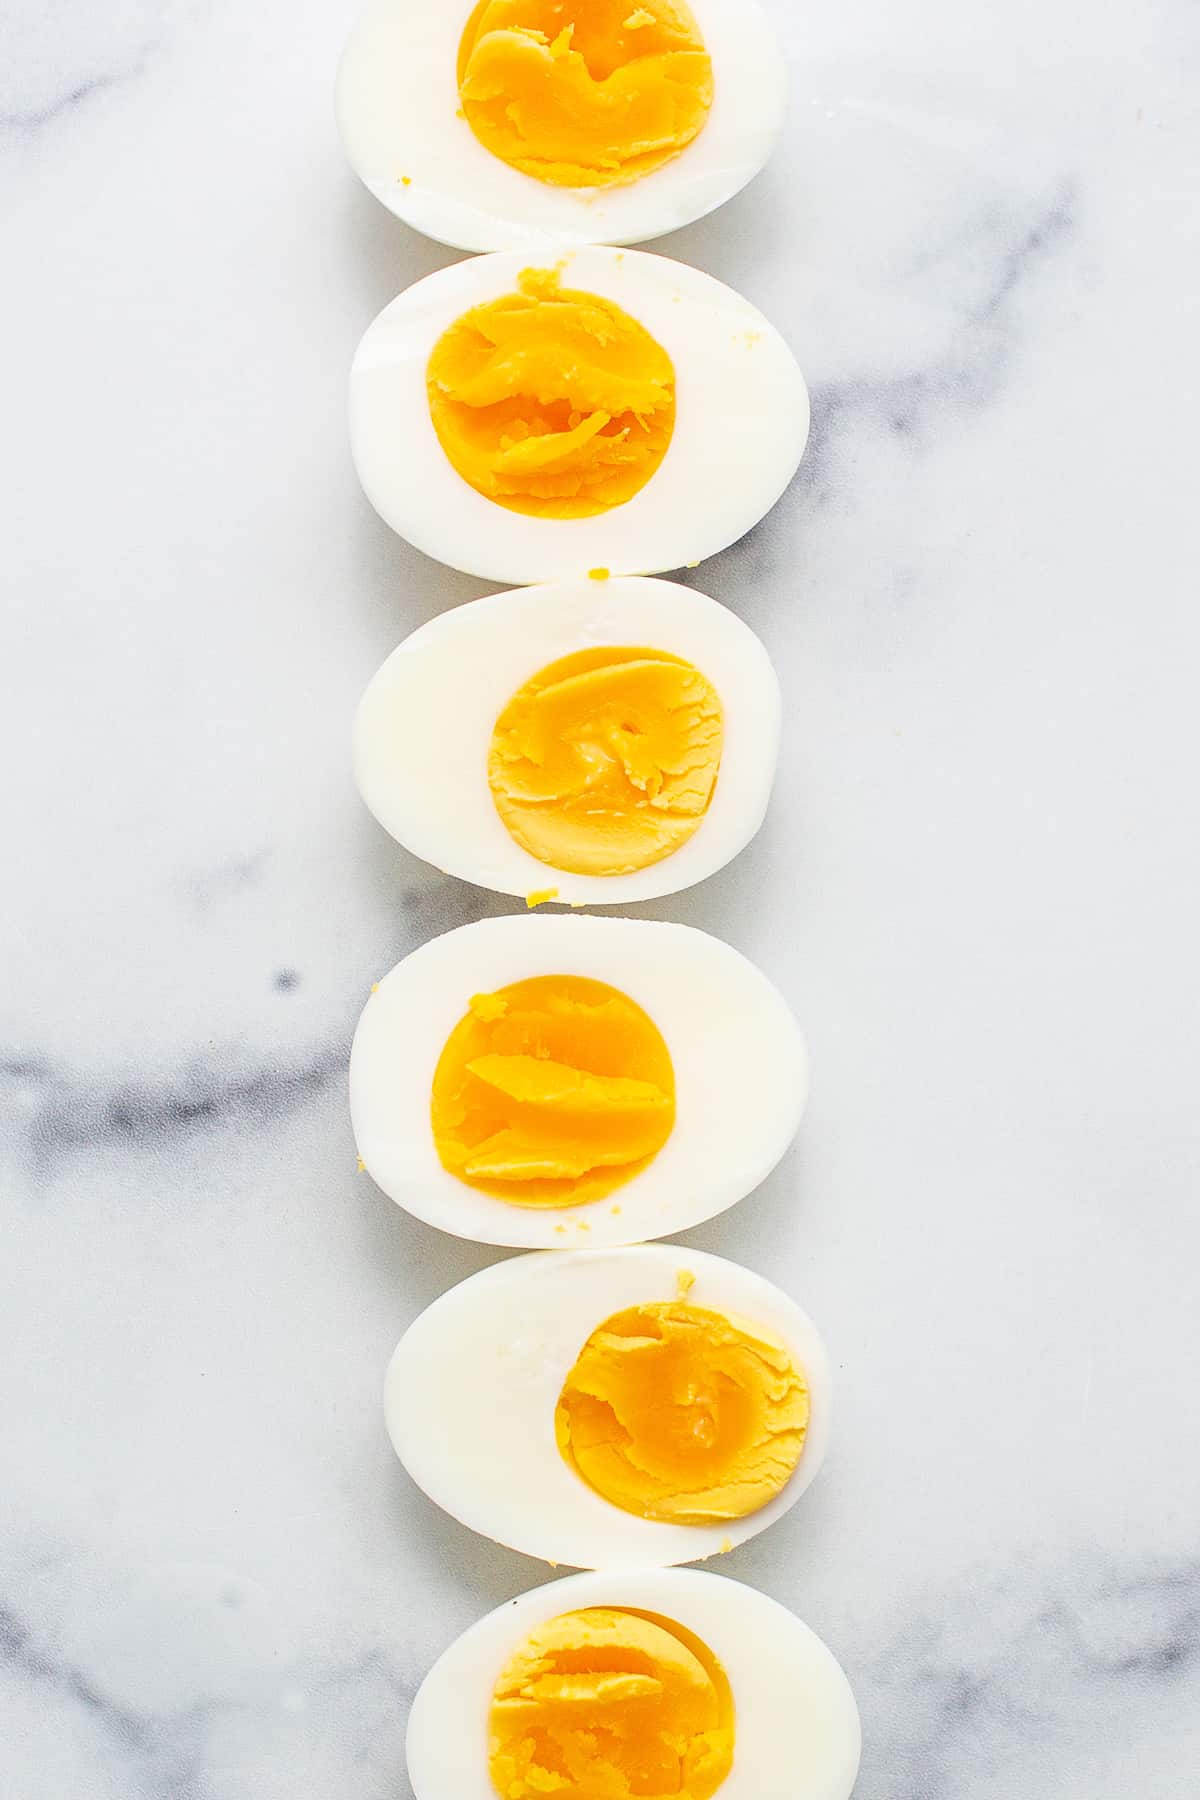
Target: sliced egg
(644, 1406)
(610, 411)
(606, 740)
(516, 123)
(636, 1682)
(557, 1081)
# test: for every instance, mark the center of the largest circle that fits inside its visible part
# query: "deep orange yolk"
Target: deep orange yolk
(676, 1413)
(552, 402)
(552, 1092)
(606, 1704)
(606, 761)
(584, 93)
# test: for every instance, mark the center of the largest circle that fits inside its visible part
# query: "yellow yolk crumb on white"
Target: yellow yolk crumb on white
(606, 761)
(679, 1414)
(551, 402)
(612, 1703)
(584, 93)
(552, 1092)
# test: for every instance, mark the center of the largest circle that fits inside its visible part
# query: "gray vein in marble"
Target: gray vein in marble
(970, 372)
(18, 123)
(57, 1113)
(20, 1657)
(965, 377)
(171, 1754)
(957, 1691)
(54, 64)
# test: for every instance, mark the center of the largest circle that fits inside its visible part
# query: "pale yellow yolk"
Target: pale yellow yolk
(606, 1704)
(681, 1414)
(552, 1092)
(606, 761)
(584, 93)
(552, 402)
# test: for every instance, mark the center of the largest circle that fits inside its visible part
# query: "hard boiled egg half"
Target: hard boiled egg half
(588, 741)
(551, 1082)
(519, 122)
(641, 1406)
(608, 410)
(648, 1682)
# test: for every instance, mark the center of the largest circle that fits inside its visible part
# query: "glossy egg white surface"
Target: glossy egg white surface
(797, 1731)
(741, 1073)
(398, 106)
(421, 764)
(472, 1388)
(741, 424)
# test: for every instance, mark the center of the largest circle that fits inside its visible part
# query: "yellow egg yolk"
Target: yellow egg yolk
(606, 761)
(605, 1704)
(552, 1092)
(679, 1414)
(551, 402)
(584, 93)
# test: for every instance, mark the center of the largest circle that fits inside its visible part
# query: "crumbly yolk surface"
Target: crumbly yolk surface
(606, 761)
(606, 1704)
(584, 93)
(552, 402)
(684, 1415)
(552, 1092)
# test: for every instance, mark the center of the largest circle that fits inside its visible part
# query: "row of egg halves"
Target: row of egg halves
(567, 413)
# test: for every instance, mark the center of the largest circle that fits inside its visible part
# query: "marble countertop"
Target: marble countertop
(978, 887)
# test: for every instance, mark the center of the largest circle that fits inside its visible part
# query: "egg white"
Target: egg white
(424, 728)
(741, 1073)
(741, 424)
(796, 1731)
(491, 1356)
(398, 106)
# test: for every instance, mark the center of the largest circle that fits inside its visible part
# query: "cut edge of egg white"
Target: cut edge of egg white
(741, 424)
(740, 1063)
(398, 113)
(491, 1356)
(422, 765)
(797, 1734)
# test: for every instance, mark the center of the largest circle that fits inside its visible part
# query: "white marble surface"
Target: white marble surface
(978, 887)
